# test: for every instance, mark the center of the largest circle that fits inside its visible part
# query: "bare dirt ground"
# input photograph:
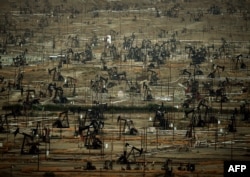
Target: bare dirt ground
(49, 28)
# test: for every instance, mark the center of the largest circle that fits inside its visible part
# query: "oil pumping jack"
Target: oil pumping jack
(216, 68)
(41, 134)
(4, 122)
(56, 74)
(31, 96)
(33, 145)
(30, 145)
(159, 118)
(62, 121)
(50, 88)
(64, 58)
(186, 72)
(88, 54)
(30, 100)
(221, 92)
(134, 87)
(94, 123)
(96, 113)
(191, 88)
(84, 56)
(20, 60)
(207, 118)
(100, 84)
(203, 119)
(91, 141)
(239, 59)
(125, 157)
(197, 70)
(192, 84)
(69, 82)
(90, 115)
(196, 119)
(153, 78)
(128, 126)
(115, 75)
(58, 96)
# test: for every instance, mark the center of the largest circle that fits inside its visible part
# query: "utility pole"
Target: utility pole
(38, 158)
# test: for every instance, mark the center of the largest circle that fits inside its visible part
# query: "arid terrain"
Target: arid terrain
(123, 88)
